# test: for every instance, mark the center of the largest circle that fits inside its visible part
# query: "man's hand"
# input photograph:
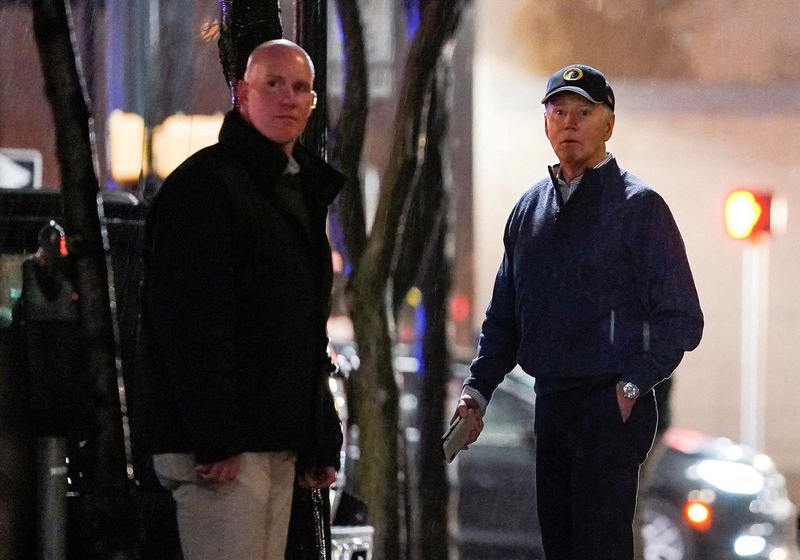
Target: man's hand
(625, 404)
(318, 478)
(468, 406)
(221, 471)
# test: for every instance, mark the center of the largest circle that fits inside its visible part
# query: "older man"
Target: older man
(236, 298)
(595, 299)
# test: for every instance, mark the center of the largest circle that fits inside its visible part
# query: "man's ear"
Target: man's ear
(609, 127)
(241, 92)
(546, 132)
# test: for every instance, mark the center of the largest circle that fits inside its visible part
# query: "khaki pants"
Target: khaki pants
(245, 519)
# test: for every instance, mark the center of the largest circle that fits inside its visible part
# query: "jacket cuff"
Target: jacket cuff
(643, 379)
(308, 460)
(469, 391)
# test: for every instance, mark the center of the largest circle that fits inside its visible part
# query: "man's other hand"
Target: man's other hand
(467, 406)
(625, 404)
(221, 471)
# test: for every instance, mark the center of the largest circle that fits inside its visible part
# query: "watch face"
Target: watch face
(630, 390)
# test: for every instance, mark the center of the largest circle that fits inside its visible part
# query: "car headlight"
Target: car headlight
(749, 545)
(733, 478)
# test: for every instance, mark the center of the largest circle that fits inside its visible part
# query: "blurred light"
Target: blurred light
(778, 214)
(763, 463)
(209, 30)
(126, 146)
(749, 545)
(337, 261)
(412, 435)
(747, 213)
(779, 554)
(459, 307)
(407, 364)
(408, 403)
(705, 495)
(179, 136)
(698, 515)
(414, 297)
(734, 478)
(413, 17)
(683, 440)
(733, 452)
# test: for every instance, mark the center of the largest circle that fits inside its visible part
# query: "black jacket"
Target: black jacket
(595, 289)
(236, 297)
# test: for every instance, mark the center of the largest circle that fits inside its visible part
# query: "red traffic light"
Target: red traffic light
(747, 213)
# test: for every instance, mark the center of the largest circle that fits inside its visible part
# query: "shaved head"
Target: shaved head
(262, 50)
(276, 95)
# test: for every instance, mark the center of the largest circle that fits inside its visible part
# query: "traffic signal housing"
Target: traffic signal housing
(748, 213)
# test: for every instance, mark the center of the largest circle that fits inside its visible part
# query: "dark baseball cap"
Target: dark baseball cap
(583, 80)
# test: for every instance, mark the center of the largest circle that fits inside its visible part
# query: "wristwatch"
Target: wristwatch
(630, 390)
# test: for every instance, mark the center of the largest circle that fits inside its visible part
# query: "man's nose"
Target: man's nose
(288, 96)
(570, 119)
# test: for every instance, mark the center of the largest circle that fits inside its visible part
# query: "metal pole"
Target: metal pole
(755, 273)
(51, 502)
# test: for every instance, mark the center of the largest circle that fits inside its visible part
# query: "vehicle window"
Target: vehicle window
(508, 414)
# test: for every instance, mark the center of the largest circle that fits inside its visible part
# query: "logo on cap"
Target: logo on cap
(572, 74)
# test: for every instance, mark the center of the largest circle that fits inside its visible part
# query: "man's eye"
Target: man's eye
(302, 88)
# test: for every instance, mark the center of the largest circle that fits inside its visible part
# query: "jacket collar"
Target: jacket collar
(592, 182)
(266, 162)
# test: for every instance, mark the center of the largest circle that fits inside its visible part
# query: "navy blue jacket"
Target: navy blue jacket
(595, 289)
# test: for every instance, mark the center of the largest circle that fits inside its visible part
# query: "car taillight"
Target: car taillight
(698, 514)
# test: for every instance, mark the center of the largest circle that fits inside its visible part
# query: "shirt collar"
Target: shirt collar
(567, 188)
(576, 180)
(292, 167)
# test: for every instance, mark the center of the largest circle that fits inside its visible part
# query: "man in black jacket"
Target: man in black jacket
(595, 299)
(236, 295)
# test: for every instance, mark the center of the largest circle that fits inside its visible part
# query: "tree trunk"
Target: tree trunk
(311, 25)
(377, 391)
(245, 24)
(435, 284)
(348, 137)
(377, 413)
(426, 236)
(106, 502)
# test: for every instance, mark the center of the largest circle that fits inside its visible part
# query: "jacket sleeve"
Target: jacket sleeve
(192, 306)
(667, 291)
(325, 450)
(499, 339)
